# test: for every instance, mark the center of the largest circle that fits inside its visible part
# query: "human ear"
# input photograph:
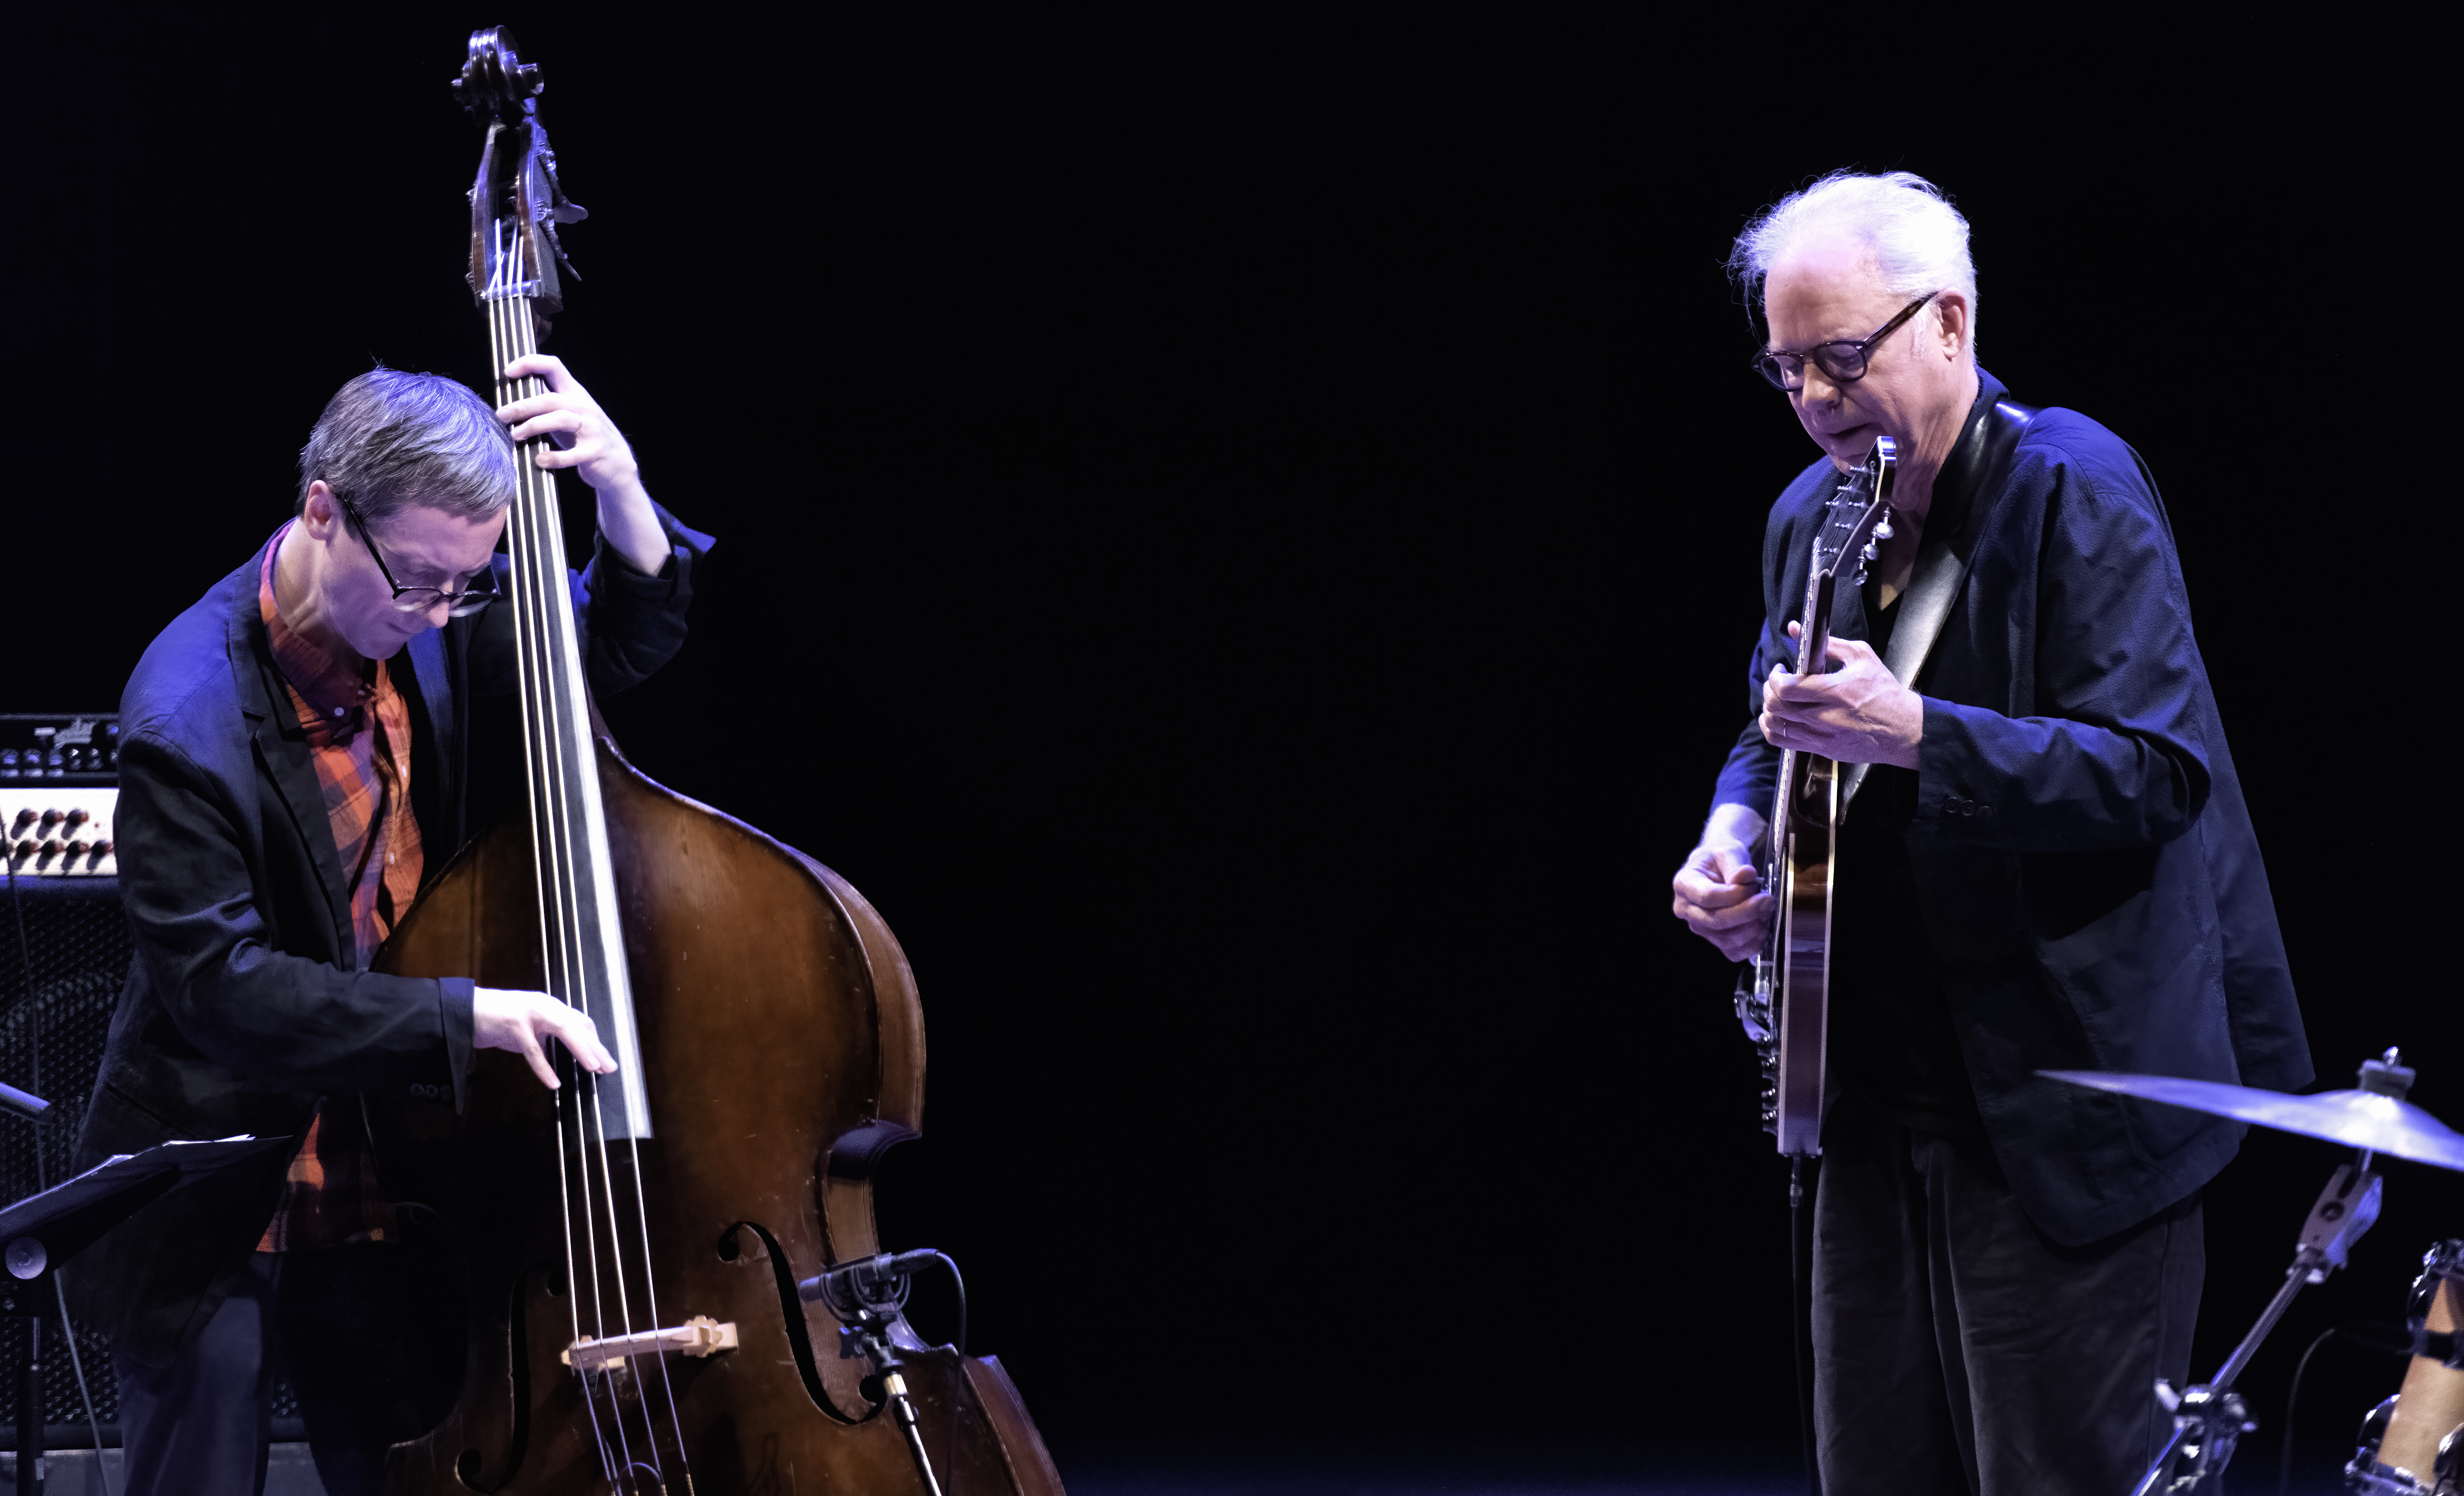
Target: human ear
(318, 513)
(1951, 322)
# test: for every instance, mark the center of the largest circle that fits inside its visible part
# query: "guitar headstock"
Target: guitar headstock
(1857, 516)
(517, 202)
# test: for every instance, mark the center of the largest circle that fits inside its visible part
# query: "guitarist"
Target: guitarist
(2047, 864)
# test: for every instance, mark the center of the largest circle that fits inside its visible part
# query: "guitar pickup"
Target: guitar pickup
(698, 1336)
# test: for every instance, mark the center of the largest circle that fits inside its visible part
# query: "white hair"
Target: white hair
(1919, 240)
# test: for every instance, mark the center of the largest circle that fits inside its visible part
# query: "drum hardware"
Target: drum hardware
(2209, 1417)
(2369, 1335)
(2412, 1444)
(2375, 1118)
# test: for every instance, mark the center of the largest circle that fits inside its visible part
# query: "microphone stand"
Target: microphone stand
(2209, 1418)
(867, 1334)
(868, 1298)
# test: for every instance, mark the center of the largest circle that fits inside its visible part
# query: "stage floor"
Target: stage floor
(1225, 1472)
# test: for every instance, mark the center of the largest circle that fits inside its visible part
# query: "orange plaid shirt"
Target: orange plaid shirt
(359, 736)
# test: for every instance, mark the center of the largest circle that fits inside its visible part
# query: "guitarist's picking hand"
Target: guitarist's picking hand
(1720, 897)
(1858, 714)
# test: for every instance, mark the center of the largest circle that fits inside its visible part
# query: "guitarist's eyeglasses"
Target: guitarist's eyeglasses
(1843, 360)
(418, 600)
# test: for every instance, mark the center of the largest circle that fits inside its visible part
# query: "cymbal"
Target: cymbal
(2355, 1118)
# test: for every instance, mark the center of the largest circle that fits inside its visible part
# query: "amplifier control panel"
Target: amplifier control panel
(60, 831)
(60, 748)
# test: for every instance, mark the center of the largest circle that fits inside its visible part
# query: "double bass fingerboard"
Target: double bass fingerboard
(580, 937)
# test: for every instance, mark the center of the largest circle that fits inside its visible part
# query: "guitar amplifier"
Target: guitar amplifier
(57, 994)
(60, 776)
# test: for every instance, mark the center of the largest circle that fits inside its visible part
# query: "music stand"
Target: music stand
(42, 1231)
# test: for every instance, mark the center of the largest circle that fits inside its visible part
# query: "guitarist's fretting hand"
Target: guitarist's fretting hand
(1718, 894)
(1858, 714)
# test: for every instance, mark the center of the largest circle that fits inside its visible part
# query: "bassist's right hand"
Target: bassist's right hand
(524, 1022)
(1720, 897)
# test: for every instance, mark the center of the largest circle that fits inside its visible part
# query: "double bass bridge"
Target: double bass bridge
(699, 1336)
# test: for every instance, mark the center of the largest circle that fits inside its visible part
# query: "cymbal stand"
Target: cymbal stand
(2209, 1418)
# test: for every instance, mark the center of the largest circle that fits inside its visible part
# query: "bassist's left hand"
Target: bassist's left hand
(580, 437)
(1858, 714)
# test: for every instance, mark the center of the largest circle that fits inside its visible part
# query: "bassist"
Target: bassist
(2046, 864)
(285, 784)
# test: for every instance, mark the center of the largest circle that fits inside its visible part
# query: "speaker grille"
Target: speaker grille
(70, 938)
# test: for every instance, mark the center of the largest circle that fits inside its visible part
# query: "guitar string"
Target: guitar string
(531, 642)
(523, 328)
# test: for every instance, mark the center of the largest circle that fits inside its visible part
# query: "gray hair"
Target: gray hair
(388, 439)
(1916, 236)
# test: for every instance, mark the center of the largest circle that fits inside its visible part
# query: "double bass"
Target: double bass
(629, 1246)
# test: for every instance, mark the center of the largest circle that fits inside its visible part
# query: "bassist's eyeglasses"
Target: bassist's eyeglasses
(1843, 360)
(418, 600)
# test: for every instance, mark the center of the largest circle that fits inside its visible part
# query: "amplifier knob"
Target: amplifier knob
(50, 818)
(43, 856)
(101, 851)
(18, 853)
(25, 819)
(77, 817)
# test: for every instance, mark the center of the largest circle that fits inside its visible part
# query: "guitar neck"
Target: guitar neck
(1814, 636)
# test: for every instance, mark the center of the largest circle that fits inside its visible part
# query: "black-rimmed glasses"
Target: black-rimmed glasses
(418, 600)
(1843, 360)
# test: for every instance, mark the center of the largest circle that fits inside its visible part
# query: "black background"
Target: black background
(1238, 537)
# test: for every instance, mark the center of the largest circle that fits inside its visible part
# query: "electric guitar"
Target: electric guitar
(1783, 998)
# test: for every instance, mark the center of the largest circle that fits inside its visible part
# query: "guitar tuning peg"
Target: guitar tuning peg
(1869, 553)
(1859, 578)
(1882, 528)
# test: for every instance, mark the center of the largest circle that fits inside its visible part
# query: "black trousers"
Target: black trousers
(1957, 1350)
(372, 1339)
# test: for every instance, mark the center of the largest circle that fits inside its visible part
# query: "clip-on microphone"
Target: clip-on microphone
(867, 1296)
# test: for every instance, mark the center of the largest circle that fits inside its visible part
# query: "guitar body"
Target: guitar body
(1804, 859)
(1784, 997)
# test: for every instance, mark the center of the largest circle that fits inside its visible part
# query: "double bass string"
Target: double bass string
(504, 304)
(523, 330)
(559, 712)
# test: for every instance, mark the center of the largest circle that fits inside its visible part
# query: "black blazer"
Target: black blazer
(246, 1002)
(2090, 885)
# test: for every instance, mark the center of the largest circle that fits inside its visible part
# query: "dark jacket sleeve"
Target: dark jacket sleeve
(194, 910)
(629, 624)
(1752, 770)
(2113, 754)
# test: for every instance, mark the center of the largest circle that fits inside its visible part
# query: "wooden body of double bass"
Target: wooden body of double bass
(783, 1050)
